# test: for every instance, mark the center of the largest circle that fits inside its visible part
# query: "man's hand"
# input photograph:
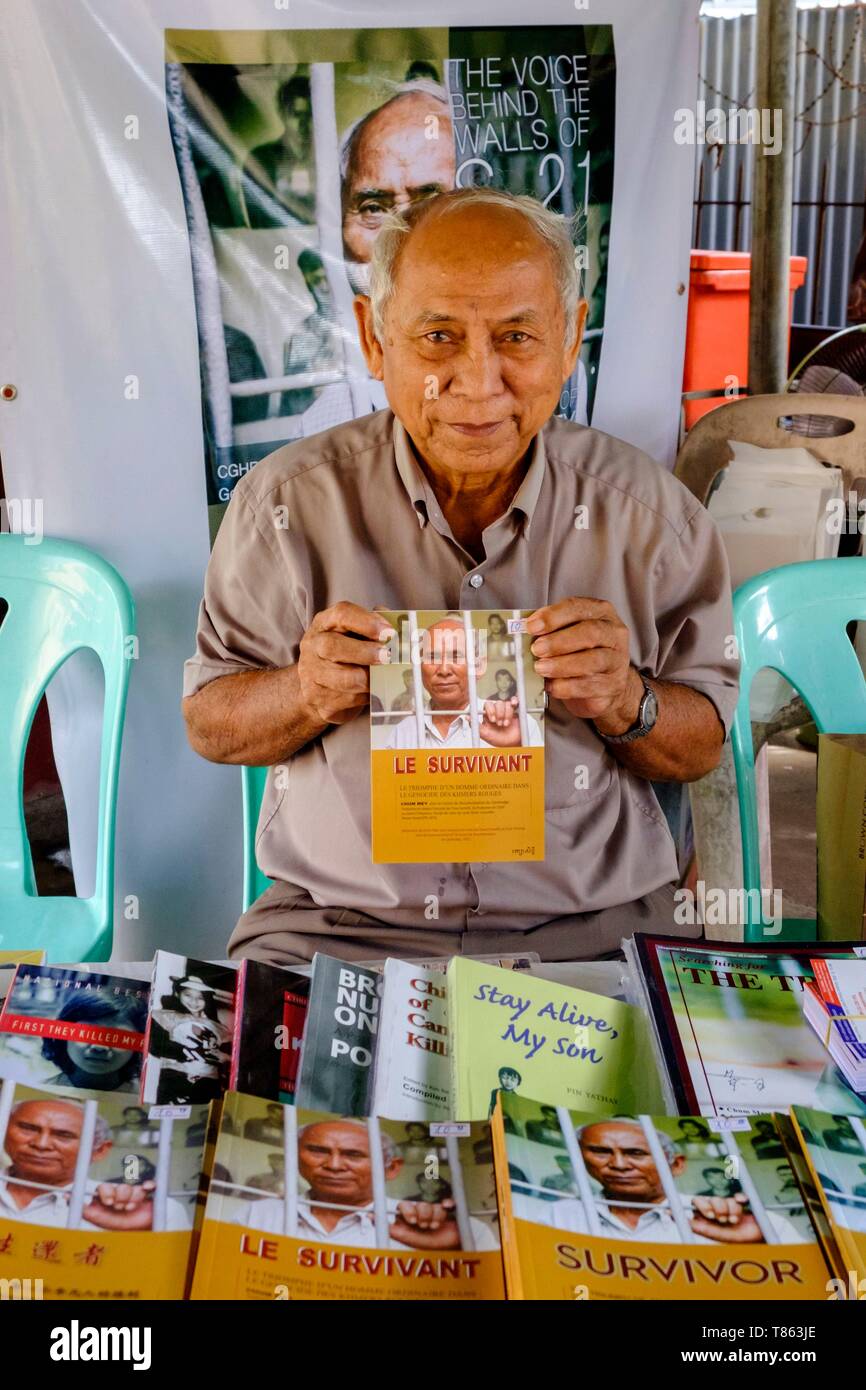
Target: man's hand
(500, 725)
(118, 1206)
(426, 1225)
(337, 651)
(725, 1219)
(581, 648)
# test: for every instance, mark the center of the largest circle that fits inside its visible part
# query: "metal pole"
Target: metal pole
(417, 683)
(578, 1167)
(458, 1191)
(747, 1182)
(78, 1195)
(772, 192)
(520, 677)
(163, 1173)
(290, 1171)
(469, 640)
(675, 1202)
(380, 1200)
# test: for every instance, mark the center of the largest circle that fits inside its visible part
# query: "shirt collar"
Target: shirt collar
(421, 494)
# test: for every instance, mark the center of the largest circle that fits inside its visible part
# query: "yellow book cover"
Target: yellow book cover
(835, 1150)
(457, 740)
(22, 957)
(97, 1196)
(640, 1208)
(308, 1206)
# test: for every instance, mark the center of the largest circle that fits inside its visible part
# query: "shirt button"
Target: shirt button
(476, 580)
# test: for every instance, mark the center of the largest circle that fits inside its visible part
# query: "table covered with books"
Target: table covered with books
(682, 1123)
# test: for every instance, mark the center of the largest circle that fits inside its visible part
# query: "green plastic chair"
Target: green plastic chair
(793, 619)
(255, 882)
(61, 598)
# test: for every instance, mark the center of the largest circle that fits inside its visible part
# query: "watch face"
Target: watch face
(649, 709)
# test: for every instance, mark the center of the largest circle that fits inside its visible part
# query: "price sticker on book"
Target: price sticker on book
(445, 1129)
(725, 1124)
(169, 1112)
(515, 625)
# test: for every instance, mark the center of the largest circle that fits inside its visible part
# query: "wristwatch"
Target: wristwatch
(647, 714)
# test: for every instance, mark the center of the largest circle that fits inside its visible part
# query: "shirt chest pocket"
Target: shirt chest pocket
(578, 769)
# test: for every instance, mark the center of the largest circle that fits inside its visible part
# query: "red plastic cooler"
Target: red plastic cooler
(717, 330)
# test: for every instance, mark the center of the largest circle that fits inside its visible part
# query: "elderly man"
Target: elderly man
(42, 1143)
(465, 494)
(390, 159)
(334, 1162)
(632, 1203)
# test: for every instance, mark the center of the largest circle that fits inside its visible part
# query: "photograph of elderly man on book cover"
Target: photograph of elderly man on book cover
(422, 1192)
(642, 1179)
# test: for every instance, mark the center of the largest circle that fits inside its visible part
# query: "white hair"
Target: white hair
(424, 86)
(551, 227)
(389, 1148)
(101, 1133)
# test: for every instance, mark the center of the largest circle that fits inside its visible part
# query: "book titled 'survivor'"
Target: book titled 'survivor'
(637, 1207)
(457, 740)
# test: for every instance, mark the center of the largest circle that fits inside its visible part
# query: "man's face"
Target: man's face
(617, 1156)
(95, 1059)
(393, 164)
(334, 1158)
(42, 1140)
(473, 352)
(445, 673)
(133, 1115)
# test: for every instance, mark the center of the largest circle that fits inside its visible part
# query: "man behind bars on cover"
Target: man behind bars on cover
(466, 493)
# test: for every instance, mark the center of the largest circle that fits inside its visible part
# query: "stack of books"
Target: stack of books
(835, 1005)
(423, 1130)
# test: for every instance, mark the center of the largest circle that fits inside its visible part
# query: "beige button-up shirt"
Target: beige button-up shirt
(348, 514)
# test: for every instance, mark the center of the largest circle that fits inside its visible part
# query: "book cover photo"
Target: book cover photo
(730, 1026)
(73, 1029)
(97, 1200)
(835, 1150)
(638, 1207)
(341, 1036)
(336, 1207)
(187, 1050)
(457, 740)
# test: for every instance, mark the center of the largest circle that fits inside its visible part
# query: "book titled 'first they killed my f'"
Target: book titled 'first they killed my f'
(73, 1030)
(457, 740)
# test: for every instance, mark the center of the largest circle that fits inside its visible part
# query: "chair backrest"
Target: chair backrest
(793, 619)
(61, 598)
(755, 420)
(255, 882)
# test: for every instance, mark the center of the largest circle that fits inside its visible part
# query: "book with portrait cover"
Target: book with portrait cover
(834, 1147)
(312, 1206)
(729, 1028)
(270, 1013)
(340, 1037)
(97, 1199)
(457, 740)
(637, 1207)
(190, 1025)
(73, 1030)
(534, 1036)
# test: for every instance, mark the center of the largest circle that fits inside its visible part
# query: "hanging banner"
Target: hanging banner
(190, 193)
(292, 146)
